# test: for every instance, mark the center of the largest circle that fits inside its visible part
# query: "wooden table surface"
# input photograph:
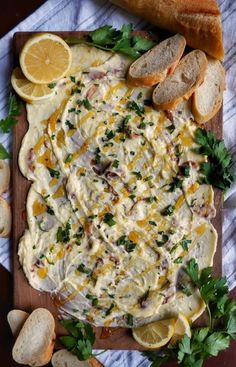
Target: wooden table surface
(14, 12)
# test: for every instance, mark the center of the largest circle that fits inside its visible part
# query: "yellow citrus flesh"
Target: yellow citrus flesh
(45, 58)
(181, 327)
(30, 92)
(156, 334)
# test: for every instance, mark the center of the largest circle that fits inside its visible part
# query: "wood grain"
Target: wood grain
(27, 298)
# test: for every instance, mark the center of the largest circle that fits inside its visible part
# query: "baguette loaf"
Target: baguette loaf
(35, 342)
(153, 67)
(207, 99)
(198, 21)
(180, 85)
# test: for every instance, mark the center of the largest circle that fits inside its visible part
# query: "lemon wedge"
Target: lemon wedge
(30, 92)
(156, 334)
(181, 327)
(45, 58)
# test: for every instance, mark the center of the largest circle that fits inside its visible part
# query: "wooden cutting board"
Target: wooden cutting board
(27, 298)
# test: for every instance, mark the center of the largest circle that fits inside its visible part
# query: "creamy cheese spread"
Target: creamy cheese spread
(116, 207)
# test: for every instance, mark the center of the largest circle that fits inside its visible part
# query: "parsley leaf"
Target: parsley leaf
(14, 110)
(217, 171)
(3, 153)
(111, 39)
(63, 233)
(81, 338)
(108, 219)
(132, 105)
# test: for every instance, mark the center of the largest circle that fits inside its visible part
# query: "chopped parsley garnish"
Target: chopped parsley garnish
(142, 125)
(69, 158)
(70, 125)
(162, 239)
(178, 150)
(71, 109)
(175, 184)
(184, 170)
(137, 174)
(132, 105)
(151, 199)
(53, 172)
(52, 85)
(93, 299)
(82, 268)
(139, 95)
(87, 104)
(78, 236)
(152, 223)
(108, 311)
(72, 78)
(168, 210)
(50, 210)
(148, 178)
(124, 128)
(109, 219)
(126, 242)
(217, 171)
(185, 243)
(93, 216)
(179, 260)
(129, 319)
(132, 196)
(170, 128)
(97, 156)
(109, 135)
(115, 163)
(63, 233)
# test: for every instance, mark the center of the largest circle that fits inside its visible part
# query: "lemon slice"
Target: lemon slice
(156, 334)
(181, 327)
(45, 58)
(30, 92)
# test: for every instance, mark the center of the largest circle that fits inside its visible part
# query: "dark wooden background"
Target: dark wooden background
(14, 11)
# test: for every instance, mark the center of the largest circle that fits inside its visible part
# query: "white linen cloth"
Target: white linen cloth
(57, 15)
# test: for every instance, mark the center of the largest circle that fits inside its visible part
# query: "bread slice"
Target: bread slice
(64, 358)
(16, 319)
(35, 342)
(5, 218)
(153, 67)
(198, 21)
(4, 176)
(188, 75)
(207, 99)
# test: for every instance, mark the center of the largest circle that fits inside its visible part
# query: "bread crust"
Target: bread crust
(5, 218)
(198, 21)
(4, 176)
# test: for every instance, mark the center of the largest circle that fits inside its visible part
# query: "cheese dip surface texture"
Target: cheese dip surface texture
(116, 208)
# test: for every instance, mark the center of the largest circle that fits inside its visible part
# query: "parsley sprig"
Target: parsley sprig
(207, 341)
(80, 339)
(111, 39)
(14, 110)
(217, 170)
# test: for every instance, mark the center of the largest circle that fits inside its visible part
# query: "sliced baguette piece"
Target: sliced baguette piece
(153, 67)
(16, 319)
(208, 97)
(35, 342)
(64, 358)
(5, 218)
(4, 176)
(188, 75)
(198, 21)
